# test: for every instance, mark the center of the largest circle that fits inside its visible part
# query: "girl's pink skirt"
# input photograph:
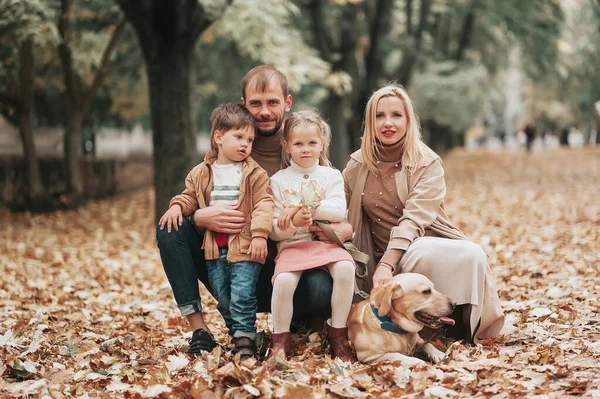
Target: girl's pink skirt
(308, 255)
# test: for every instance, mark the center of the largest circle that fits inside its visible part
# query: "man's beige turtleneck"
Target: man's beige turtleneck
(266, 151)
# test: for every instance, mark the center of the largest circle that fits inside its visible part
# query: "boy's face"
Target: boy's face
(268, 107)
(234, 145)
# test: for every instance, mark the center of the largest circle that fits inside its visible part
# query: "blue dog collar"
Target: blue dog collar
(387, 324)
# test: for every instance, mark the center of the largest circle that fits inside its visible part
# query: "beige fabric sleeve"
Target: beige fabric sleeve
(421, 208)
(188, 198)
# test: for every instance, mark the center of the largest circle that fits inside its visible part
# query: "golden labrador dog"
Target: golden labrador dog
(386, 326)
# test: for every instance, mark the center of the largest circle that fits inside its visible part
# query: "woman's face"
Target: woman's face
(390, 120)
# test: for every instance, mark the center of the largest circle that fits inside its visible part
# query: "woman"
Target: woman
(395, 191)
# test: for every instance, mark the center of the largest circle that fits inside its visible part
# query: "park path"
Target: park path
(85, 306)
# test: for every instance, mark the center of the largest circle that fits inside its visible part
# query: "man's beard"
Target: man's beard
(271, 132)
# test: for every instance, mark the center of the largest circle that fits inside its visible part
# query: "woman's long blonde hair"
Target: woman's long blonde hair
(412, 152)
(309, 118)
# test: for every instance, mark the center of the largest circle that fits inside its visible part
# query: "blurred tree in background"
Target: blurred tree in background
(26, 24)
(85, 57)
(75, 42)
(465, 63)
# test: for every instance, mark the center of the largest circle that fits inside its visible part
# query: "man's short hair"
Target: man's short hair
(231, 116)
(261, 76)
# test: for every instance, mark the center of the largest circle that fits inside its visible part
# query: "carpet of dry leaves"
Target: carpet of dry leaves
(86, 311)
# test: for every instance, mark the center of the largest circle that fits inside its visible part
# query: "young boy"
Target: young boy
(230, 177)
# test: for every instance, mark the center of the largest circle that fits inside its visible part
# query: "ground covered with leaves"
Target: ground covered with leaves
(86, 311)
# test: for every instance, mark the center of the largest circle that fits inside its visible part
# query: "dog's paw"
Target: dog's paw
(436, 357)
(409, 361)
(433, 353)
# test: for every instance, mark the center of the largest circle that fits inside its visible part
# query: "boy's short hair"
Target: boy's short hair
(226, 117)
(231, 116)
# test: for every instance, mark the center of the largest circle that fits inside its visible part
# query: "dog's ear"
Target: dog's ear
(382, 297)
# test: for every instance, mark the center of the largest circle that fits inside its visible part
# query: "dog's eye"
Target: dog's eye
(427, 291)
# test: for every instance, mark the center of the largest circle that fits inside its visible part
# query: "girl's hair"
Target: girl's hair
(412, 152)
(309, 118)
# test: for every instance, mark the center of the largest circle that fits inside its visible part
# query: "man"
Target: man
(265, 94)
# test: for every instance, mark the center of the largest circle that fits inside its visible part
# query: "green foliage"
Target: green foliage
(267, 34)
(20, 19)
(533, 25)
(451, 94)
(91, 22)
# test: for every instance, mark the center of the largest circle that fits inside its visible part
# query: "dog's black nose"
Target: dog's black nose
(452, 304)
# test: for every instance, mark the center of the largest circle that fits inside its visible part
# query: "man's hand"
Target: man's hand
(171, 218)
(284, 219)
(220, 218)
(382, 275)
(342, 229)
(258, 249)
(302, 218)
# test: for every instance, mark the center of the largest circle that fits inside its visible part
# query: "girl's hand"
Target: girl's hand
(302, 218)
(172, 217)
(258, 249)
(382, 275)
(284, 219)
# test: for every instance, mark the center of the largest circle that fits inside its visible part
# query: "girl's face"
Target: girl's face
(390, 120)
(305, 145)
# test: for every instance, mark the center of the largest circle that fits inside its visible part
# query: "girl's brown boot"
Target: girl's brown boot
(338, 340)
(281, 342)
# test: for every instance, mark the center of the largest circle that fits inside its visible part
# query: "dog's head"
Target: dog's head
(410, 300)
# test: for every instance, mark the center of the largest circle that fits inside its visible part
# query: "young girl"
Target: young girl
(308, 189)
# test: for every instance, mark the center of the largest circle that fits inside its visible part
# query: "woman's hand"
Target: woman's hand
(171, 218)
(341, 229)
(285, 218)
(382, 275)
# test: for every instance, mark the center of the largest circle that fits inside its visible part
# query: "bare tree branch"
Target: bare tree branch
(102, 71)
(377, 29)
(201, 22)
(466, 33)
(64, 51)
(409, 12)
(321, 37)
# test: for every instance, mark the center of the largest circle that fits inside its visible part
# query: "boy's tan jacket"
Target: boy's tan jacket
(422, 194)
(255, 201)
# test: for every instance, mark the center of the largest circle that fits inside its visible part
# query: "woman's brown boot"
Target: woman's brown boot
(281, 342)
(338, 340)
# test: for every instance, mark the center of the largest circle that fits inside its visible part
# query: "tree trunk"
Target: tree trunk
(596, 112)
(335, 108)
(26, 74)
(466, 33)
(436, 136)
(72, 153)
(167, 32)
(413, 48)
(171, 87)
(335, 105)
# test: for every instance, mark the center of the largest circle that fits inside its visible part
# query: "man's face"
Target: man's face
(268, 107)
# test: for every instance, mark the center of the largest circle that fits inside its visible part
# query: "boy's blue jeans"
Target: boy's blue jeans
(234, 288)
(184, 264)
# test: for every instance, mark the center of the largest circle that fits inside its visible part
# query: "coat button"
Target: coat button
(306, 176)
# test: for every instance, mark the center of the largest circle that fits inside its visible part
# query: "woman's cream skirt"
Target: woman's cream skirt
(459, 269)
